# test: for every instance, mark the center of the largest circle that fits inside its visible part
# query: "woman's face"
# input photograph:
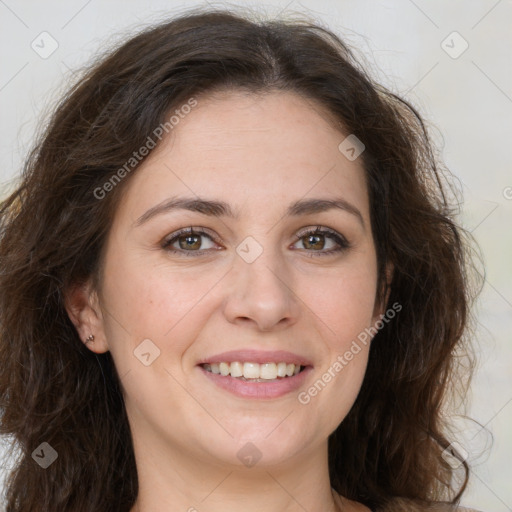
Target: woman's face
(250, 285)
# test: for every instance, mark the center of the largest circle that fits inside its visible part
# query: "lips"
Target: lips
(255, 373)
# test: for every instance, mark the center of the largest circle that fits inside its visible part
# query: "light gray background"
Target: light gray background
(467, 101)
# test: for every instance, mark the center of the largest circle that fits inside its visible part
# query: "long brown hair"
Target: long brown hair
(53, 228)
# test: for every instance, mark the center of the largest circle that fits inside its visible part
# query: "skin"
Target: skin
(259, 154)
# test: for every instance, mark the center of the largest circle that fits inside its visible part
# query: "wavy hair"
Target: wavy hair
(53, 229)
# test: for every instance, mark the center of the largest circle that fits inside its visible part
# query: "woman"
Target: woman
(231, 278)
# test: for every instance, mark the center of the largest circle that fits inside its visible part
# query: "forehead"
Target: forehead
(246, 148)
(230, 120)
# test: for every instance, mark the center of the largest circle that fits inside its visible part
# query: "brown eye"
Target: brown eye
(316, 242)
(319, 239)
(189, 241)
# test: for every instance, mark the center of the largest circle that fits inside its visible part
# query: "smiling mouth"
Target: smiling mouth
(254, 372)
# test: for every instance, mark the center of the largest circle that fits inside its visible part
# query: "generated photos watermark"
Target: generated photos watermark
(343, 360)
(158, 133)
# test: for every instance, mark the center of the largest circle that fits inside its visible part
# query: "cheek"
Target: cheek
(345, 310)
(344, 301)
(145, 300)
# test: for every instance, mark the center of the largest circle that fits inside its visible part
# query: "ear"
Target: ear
(83, 308)
(380, 305)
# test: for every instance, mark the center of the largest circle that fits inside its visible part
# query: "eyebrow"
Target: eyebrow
(222, 209)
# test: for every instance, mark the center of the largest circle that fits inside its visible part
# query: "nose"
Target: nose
(261, 293)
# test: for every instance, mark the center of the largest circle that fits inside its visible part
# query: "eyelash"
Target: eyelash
(340, 240)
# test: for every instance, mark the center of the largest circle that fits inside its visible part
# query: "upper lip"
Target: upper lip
(257, 356)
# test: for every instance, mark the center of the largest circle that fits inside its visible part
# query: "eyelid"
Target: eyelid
(340, 240)
(324, 230)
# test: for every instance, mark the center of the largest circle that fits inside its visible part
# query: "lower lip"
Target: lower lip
(258, 390)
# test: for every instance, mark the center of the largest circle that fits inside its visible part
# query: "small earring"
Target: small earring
(89, 339)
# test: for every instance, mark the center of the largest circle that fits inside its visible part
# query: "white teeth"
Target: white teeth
(268, 371)
(247, 370)
(281, 370)
(224, 369)
(251, 370)
(237, 369)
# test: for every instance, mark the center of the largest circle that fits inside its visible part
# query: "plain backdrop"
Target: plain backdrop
(450, 59)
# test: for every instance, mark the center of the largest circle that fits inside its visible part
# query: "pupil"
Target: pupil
(311, 242)
(189, 244)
